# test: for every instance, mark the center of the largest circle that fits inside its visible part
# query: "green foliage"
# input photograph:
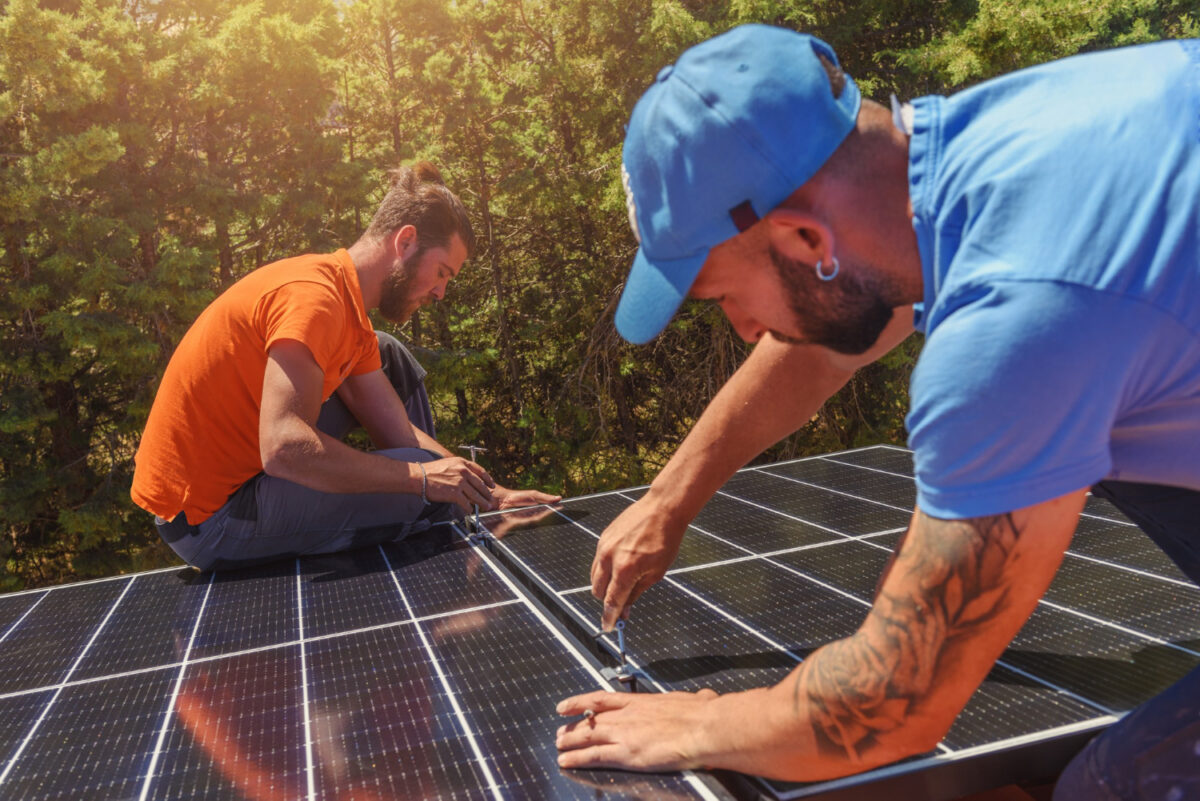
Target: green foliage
(152, 153)
(1004, 35)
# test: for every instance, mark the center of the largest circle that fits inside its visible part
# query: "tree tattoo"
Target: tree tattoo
(947, 578)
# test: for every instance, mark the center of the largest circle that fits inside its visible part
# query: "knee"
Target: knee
(409, 454)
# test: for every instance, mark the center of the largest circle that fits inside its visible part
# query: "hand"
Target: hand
(636, 731)
(511, 499)
(460, 482)
(633, 553)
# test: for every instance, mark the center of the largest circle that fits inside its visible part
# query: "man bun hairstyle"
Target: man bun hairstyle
(418, 197)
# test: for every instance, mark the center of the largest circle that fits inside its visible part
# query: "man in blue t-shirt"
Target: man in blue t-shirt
(1043, 231)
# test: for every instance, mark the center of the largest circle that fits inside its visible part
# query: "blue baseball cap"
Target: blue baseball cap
(723, 136)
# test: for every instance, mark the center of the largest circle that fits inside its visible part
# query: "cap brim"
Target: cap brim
(653, 293)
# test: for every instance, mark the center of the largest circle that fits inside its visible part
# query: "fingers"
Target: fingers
(616, 600)
(608, 755)
(480, 472)
(476, 487)
(598, 701)
(475, 493)
(601, 571)
(455, 480)
(511, 499)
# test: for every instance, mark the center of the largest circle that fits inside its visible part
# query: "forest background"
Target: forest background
(152, 152)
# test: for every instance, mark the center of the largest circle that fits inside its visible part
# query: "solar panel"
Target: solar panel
(812, 537)
(431, 668)
(416, 670)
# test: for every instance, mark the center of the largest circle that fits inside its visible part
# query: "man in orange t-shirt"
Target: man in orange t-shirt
(242, 460)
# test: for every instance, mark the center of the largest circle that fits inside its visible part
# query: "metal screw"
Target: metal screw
(474, 449)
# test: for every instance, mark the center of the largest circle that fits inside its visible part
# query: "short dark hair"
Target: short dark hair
(837, 78)
(418, 197)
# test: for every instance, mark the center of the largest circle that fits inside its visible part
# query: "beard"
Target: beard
(395, 301)
(846, 314)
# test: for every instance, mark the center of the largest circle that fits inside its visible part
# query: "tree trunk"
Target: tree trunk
(504, 335)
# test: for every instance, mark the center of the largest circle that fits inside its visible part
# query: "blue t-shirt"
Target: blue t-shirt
(1057, 212)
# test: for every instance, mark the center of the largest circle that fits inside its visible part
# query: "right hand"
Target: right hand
(633, 553)
(460, 482)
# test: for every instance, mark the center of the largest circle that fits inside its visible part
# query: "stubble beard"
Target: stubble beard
(395, 301)
(846, 315)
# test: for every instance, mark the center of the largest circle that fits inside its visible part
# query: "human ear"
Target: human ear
(404, 241)
(799, 235)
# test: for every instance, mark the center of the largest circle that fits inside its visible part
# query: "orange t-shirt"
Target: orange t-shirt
(201, 439)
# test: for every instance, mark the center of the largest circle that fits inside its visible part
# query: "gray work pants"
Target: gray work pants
(1153, 753)
(270, 518)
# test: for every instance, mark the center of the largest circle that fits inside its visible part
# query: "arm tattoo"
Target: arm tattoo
(950, 578)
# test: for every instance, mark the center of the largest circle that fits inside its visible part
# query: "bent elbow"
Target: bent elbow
(278, 458)
(273, 461)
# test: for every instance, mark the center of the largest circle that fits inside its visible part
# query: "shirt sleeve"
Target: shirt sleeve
(1015, 394)
(310, 313)
(368, 358)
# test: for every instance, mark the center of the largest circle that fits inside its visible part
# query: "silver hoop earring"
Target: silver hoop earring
(828, 276)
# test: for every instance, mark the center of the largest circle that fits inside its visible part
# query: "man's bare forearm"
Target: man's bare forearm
(862, 691)
(958, 592)
(430, 444)
(318, 461)
(776, 391)
(863, 701)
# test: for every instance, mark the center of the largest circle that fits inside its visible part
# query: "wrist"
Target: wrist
(417, 482)
(673, 503)
(729, 734)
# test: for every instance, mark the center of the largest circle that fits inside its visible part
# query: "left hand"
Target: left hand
(510, 499)
(636, 731)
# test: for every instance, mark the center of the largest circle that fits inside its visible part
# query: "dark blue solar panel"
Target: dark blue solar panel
(422, 669)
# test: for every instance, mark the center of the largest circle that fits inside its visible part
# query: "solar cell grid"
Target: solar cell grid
(382, 723)
(492, 668)
(51, 637)
(94, 740)
(758, 530)
(692, 551)
(1112, 668)
(17, 716)
(838, 513)
(1157, 608)
(455, 579)
(347, 591)
(881, 457)
(422, 669)
(1009, 705)
(14, 607)
(867, 484)
(249, 609)
(1124, 544)
(803, 615)
(150, 626)
(1102, 509)
(235, 730)
(552, 543)
(685, 644)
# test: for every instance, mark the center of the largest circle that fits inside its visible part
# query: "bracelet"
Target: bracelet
(424, 483)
